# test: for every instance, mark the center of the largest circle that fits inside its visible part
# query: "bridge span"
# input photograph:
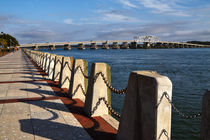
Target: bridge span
(114, 44)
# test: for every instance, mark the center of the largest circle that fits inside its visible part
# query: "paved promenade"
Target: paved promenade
(30, 107)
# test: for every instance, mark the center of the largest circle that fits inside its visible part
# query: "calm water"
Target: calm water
(188, 69)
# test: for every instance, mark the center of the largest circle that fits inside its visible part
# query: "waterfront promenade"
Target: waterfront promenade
(30, 107)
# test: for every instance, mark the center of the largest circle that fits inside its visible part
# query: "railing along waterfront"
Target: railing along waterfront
(147, 107)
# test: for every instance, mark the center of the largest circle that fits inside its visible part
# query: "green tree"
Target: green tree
(8, 40)
(3, 42)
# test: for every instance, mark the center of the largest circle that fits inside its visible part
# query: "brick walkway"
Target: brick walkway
(31, 109)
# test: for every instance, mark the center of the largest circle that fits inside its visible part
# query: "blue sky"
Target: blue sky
(32, 21)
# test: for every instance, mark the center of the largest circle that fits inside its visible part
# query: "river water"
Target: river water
(188, 69)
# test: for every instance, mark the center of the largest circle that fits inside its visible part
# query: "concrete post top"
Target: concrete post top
(101, 64)
(81, 60)
(153, 74)
(59, 56)
(67, 57)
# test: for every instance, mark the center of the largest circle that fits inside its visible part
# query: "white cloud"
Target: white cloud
(165, 7)
(119, 18)
(68, 21)
(111, 16)
(185, 32)
(127, 4)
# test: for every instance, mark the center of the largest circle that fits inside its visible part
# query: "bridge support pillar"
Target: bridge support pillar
(176, 45)
(67, 47)
(157, 45)
(165, 45)
(97, 89)
(81, 46)
(171, 45)
(133, 45)
(181, 46)
(36, 47)
(124, 45)
(79, 80)
(105, 45)
(185, 46)
(146, 45)
(52, 47)
(93, 46)
(146, 113)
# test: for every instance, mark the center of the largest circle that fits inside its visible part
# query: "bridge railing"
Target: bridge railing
(147, 107)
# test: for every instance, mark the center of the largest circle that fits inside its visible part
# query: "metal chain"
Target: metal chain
(107, 105)
(79, 67)
(97, 104)
(165, 94)
(83, 91)
(122, 91)
(165, 133)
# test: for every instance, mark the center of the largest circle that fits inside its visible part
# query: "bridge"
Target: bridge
(114, 44)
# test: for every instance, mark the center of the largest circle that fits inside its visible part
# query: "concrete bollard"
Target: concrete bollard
(205, 121)
(97, 89)
(51, 66)
(79, 80)
(144, 115)
(40, 59)
(46, 68)
(44, 61)
(66, 70)
(57, 67)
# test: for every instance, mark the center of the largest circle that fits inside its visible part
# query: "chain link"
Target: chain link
(122, 91)
(165, 94)
(79, 67)
(83, 91)
(165, 133)
(107, 105)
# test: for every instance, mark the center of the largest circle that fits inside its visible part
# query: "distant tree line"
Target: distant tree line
(200, 42)
(7, 40)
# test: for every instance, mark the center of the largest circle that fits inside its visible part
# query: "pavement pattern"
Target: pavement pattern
(30, 107)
